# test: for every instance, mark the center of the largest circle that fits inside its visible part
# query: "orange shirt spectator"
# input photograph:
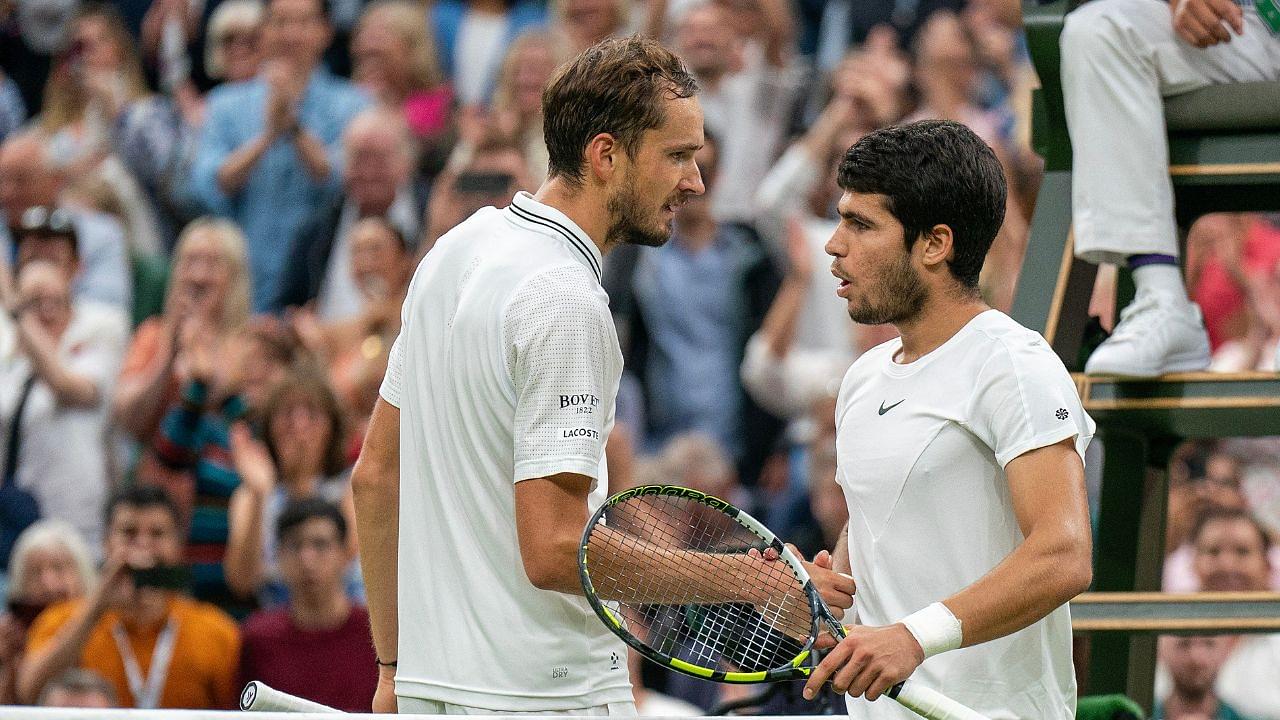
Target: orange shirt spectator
(206, 651)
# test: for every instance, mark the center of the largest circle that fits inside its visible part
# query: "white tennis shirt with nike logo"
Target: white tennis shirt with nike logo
(921, 450)
(506, 369)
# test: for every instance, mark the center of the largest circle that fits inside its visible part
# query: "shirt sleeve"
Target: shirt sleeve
(1024, 399)
(390, 389)
(560, 354)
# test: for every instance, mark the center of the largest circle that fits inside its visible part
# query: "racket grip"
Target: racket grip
(931, 704)
(257, 696)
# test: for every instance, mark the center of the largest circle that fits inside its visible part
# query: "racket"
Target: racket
(257, 696)
(690, 582)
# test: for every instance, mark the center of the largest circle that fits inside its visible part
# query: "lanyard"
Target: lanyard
(146, 692)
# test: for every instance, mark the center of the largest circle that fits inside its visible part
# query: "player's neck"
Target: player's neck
(942, 317)
(319, 613)
(580, 205)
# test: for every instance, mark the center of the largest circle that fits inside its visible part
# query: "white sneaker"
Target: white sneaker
(1157, 334)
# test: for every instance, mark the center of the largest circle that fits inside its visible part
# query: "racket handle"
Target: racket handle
(257, 696)
(930, 703)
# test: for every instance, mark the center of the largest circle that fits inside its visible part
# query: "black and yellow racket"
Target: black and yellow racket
(697, 585)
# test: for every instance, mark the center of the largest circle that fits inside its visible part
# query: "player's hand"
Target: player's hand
(384, 697)
(836, 589)
(868, 662)
(1203, 23)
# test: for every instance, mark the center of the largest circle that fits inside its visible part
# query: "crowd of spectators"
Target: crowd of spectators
(211, 213)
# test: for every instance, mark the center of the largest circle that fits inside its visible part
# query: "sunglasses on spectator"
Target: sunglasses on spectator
(43, 220)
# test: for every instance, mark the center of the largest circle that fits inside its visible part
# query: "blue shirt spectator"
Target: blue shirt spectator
(269, 151)
(279, 195)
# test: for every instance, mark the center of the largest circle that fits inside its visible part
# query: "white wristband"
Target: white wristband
(935, 628)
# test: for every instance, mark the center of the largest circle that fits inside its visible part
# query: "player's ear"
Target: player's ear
(937, 245)
(602, 156)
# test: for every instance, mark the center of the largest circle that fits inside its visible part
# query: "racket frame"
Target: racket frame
(794, 670)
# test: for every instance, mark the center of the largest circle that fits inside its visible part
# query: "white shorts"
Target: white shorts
(434, 707)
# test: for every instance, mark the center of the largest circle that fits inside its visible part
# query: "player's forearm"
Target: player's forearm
(1044, 572)
(375, 490)
(674, 577)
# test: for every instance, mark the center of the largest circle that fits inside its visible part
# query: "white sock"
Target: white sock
(1160, 278)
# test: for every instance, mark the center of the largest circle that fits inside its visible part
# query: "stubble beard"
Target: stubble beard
(629, 225)
(900, 297)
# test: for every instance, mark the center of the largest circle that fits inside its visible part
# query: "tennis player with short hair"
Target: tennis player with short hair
(505, 372)
(959, 446)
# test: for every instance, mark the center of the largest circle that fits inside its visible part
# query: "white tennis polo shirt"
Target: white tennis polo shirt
(921, 450)
(506, 369)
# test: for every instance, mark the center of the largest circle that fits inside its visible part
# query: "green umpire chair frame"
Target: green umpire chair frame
(1224, 146)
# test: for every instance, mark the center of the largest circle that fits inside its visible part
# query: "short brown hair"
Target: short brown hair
(616, 87)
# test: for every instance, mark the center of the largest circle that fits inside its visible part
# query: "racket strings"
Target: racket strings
(683, 578)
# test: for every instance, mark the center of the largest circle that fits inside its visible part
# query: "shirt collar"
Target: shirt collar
(527, 211)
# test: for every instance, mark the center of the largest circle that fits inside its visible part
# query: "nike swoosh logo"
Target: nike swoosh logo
(884, 409)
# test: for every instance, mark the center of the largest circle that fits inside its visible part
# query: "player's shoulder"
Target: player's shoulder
(1002, 341)
(865, 368)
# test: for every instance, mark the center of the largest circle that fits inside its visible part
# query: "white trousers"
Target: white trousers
(419, 706)
(1119, 58)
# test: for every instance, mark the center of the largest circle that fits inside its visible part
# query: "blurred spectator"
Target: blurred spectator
(100, 118)
(490, 174)
(868, 91)
(208, 295)
(1233, 271)
(749, 85)
(517, 101)
(49, 234)
(473, 37)
(586, 22)
(782, 375)
(78, 688)
(687, 310)
(830, 28)
(377, 182)
(267, 153)
(28, 178)
(1193, 663)
(397, 62)
(233, 48)
(698, 461)
(1217, 488)
(13, 112)
(318, 645)
(946, 75)
(59, 366)
(191, 453)
(156, 647)
(1231, 555)
(303, 457)
(50, 563)
(355, 351)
